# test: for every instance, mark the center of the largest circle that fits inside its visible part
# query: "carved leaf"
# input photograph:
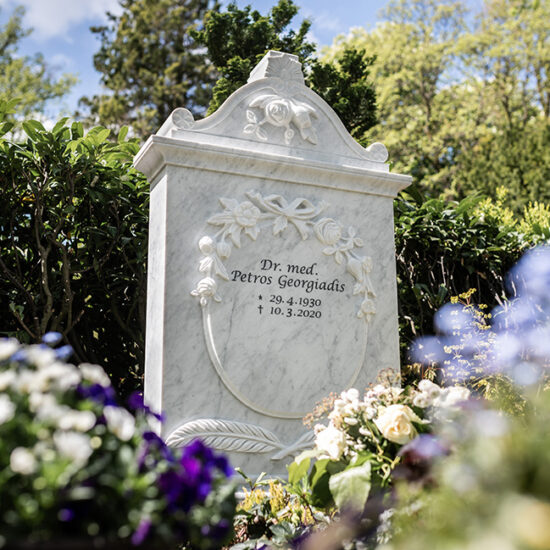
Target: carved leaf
(280, 225)
(263, 100)
(229, 204)
(338, 257)
(261, 133)
(220, 270)
(249, 128)
(251, 117)
(225, 435)
(205, 264)
(220, 219)
(309, 135)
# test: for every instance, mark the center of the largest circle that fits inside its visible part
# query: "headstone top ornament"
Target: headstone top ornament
(278, 65)
(276, 114)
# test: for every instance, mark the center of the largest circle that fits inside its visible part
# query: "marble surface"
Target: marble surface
(271, 267)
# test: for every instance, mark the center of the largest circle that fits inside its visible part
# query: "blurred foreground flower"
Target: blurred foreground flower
(75, 465)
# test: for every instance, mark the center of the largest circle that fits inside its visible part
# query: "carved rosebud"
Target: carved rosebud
(206, 246)
(246, 214)
(328, 231)
(278, 112)
(368, 309)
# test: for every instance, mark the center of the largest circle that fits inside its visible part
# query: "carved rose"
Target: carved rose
(246, 214)
(206, 288)
(328, 231)
(278, 112)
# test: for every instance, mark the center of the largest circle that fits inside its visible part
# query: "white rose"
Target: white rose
(120, 422)
(331, 441)
(422, 400)
(328, 231)
(7, 409)
(396, 423)
(22, 461)
(74, 446)
(94, 374)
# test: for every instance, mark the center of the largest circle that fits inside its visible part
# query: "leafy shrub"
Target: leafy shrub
(73, 236)
(445, 248)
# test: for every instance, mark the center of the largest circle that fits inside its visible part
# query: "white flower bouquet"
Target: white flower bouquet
(365, 439)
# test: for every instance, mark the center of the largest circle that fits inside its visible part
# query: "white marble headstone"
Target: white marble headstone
(271, 267)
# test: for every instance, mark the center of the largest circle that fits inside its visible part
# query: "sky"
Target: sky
(61, 31)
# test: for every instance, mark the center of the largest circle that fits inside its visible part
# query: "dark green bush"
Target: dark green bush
(444, 248)
(73, 241)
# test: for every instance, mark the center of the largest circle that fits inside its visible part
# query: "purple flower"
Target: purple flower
(140, 534)
(136, 403)
(105, 395)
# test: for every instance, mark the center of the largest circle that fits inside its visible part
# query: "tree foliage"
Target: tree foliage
(27, 78)
(463, 101)
(150, 64)
(73, 235)
(237, 39)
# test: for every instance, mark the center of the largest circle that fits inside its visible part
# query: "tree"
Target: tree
(73, 235)
(463, 109)
(29, 79)
(237, 39)
(150, 64)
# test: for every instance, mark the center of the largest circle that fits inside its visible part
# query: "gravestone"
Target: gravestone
(271, 277)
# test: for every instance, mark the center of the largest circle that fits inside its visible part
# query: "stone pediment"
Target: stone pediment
(276, 114)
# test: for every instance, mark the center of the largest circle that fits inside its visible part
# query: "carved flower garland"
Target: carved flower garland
(281, 112)
(245, 217)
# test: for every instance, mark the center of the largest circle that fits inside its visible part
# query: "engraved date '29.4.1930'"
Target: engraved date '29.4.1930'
(300, 279)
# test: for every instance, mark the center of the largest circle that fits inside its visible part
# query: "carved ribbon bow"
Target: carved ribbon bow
(298, 212)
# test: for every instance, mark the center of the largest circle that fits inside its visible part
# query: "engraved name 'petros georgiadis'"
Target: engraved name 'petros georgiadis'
(287, 276)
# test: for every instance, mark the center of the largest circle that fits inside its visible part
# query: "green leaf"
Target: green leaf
(122, 134)
(350, 488)
(60, 124)
(298, 470)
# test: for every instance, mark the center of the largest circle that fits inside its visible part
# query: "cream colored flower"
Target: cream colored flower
(331, 441)
(22, 461)
(396, 423)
